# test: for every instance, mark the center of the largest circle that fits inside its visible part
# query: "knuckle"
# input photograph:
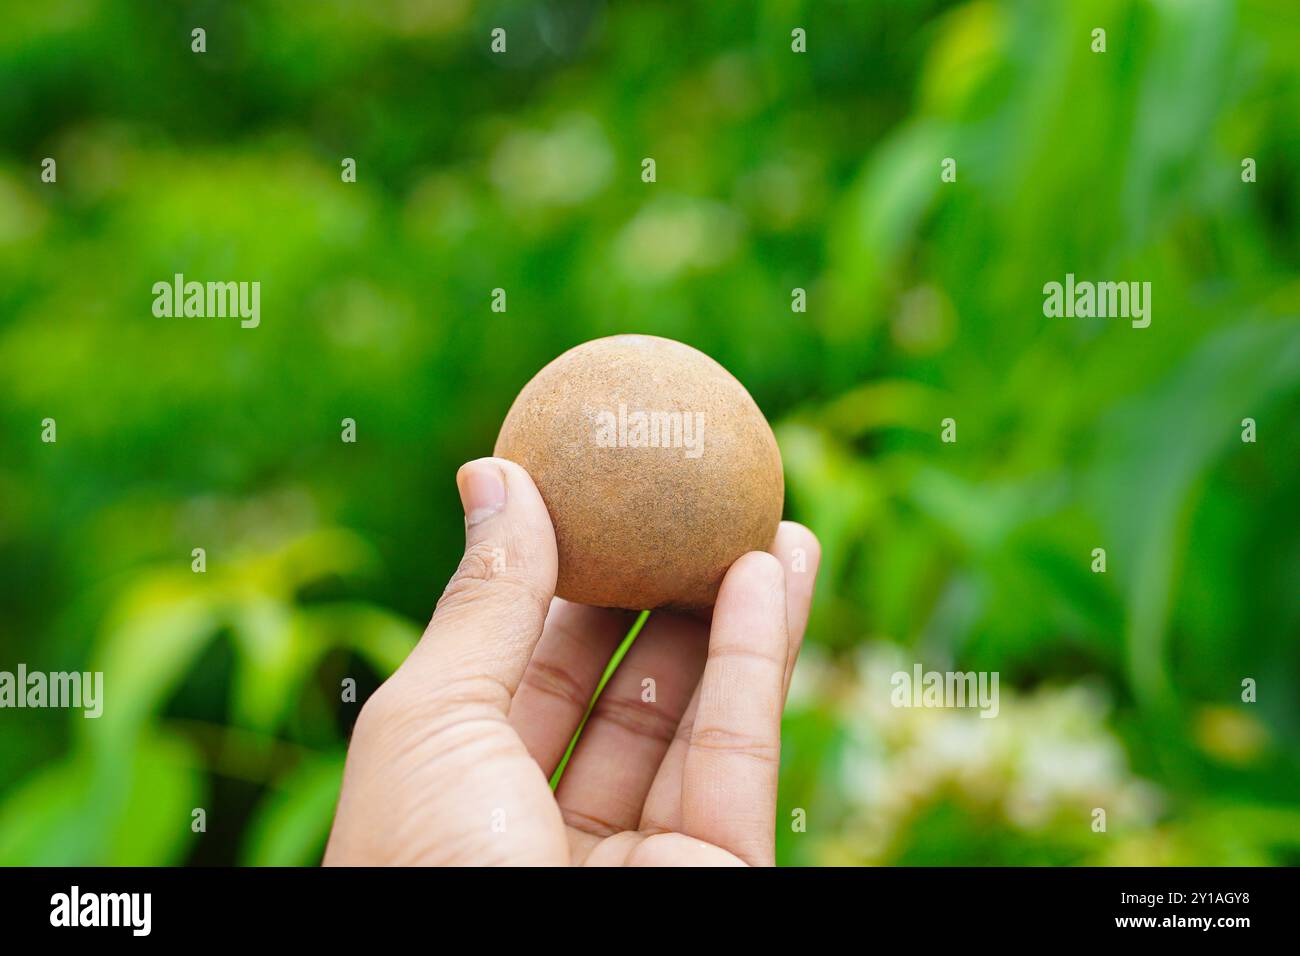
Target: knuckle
(478, 566)
(484, 570)
(556, 681)
(723, 740)
(590, 823)
(637, 718)
(763, 655)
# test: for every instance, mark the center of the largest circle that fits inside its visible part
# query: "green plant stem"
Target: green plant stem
(612, 666)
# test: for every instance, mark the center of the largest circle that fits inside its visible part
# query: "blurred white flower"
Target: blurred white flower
(1047, 755)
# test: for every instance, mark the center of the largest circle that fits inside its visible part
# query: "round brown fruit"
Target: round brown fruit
(657, 467)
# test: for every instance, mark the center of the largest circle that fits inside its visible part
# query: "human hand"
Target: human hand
(450, 759)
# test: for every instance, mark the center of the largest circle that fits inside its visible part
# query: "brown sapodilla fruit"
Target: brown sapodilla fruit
(658, 469)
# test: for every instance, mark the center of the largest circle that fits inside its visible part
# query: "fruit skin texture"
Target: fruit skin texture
(645, 527)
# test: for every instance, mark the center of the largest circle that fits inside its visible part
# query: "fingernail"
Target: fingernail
(482, 490)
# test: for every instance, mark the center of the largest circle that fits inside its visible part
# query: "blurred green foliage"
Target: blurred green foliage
(776, 170)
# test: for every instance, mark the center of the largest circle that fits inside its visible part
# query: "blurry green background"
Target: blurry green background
(776, 170)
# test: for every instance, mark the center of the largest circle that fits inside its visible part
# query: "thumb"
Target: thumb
(490, 617)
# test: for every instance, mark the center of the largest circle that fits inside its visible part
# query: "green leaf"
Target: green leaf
(290, 827)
